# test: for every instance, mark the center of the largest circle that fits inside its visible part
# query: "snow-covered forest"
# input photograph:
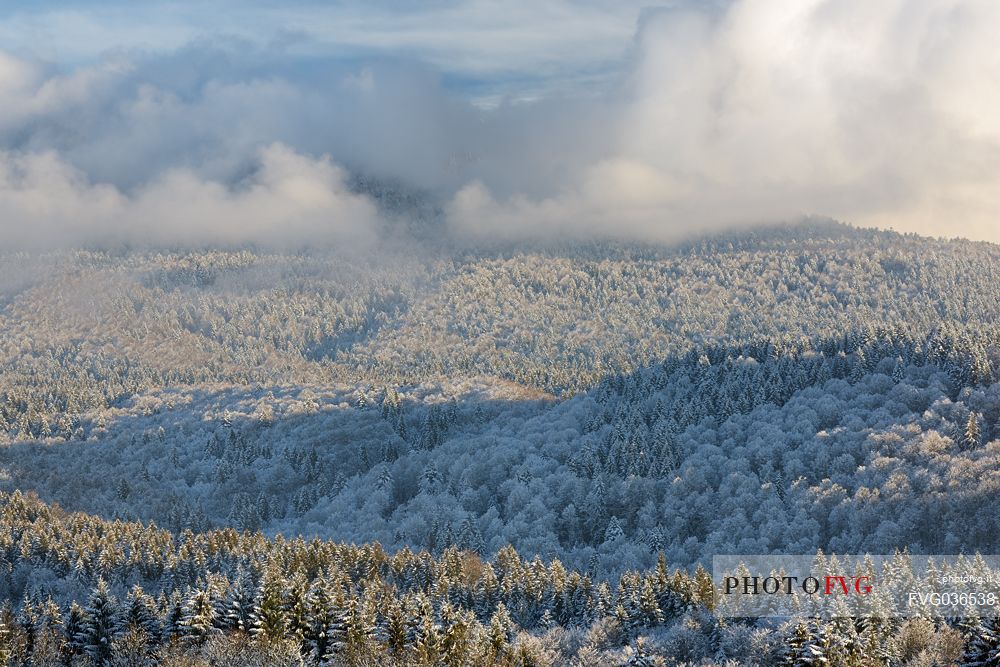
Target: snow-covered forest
(603, 413)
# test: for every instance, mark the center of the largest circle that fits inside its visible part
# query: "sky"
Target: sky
(183, 122)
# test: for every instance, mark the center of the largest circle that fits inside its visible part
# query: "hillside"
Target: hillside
(614, 408)
(480, 399)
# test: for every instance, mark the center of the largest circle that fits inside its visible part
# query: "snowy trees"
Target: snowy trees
(558, 320)
(269, 621)
(983, 649)
(328, 603)
(972, 435)
(97, 629)
(608, 405)
(682, 457)
(139, 613)
(199, 618)
(339, 604)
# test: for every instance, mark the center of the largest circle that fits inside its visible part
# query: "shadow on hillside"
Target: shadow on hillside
(208, 460)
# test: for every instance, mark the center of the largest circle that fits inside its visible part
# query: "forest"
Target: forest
(487, 454)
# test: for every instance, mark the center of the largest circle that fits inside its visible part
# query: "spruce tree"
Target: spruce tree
(238, 605)
(456, 635)
(198, 619)
(983, 648)
(649, 609)
(139, 611)
(794, 651)
(73, 629)
(297, 607)
(269, 619)
(99, 623)
(172, 628)
(360, 628)
(394, 629)
(973, 435)
(336, 628)
(319, 604)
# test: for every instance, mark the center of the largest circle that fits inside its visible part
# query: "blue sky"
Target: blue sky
(488, 50)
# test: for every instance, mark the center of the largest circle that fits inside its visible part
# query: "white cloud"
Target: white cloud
(876, 113)
(722, 115)
(289, 200)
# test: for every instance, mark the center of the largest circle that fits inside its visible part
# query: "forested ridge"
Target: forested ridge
(603, 410)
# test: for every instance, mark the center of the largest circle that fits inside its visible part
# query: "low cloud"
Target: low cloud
(289, 199)
(880, 114)
(718, 115)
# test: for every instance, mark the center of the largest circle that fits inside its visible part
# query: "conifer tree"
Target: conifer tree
(319, 617)
(983, 648)
(172, 628)
(269, 621)
(236, 613)
(336, 628)
(500, 632)
(456, 636)
(99, 622)
(795, 650)
(394, 633)
(73, 629)
(297, 606)
(198, 619)
(360, 628)
(139, 611)
(973, 435)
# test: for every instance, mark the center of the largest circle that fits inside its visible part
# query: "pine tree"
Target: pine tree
(973, 435)
(198, 619)
(821, 650)
(983, 649)
(139, 611)
(361, 626)
(73, 630)
(500, 632)
(297, 607)
(269, 621)
(394, 629)
(26, 619)
(237, 606)
(48, 632)
(426, 633)
(172, 628)
(469, 537)
(431, 479)
(319, 605)
(794, 651)
(456, 635)
(384, 481)
(649, 609)
(99, 622)
(336, 628)
(614, 530)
